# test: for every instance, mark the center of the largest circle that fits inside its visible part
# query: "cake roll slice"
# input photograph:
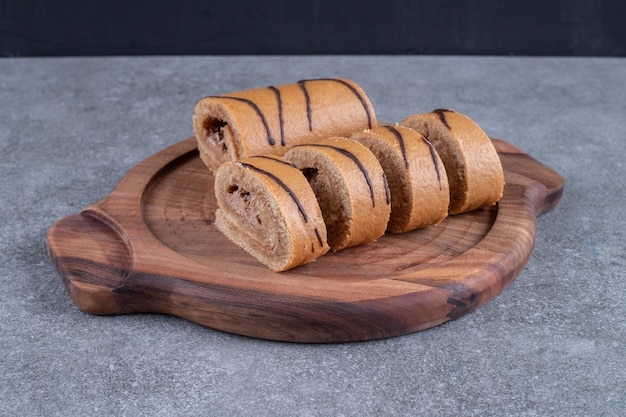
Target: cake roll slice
(350, 186)
(472, 164)
(267, 207)
(273, 119)
(416, 176)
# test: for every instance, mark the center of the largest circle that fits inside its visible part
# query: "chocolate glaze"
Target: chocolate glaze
(280, 113)
(387, 191)
(354, 159)
(302, 85)
(442, 116)
(258, 111)
(282, 161)
(319, 237)
(433, 156)
(400, 139)
(282, 184)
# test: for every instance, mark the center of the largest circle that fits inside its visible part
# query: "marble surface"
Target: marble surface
(554, 343)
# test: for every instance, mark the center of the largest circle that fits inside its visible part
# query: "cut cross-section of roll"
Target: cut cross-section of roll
(472, 164)
(267, 207)
(416, 176)
(273, 119)
(350, 186)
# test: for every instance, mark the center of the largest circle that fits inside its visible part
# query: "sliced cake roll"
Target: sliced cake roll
(273, 119)
(350, 186)
(472, 164)
(267, 207)
(415, 173)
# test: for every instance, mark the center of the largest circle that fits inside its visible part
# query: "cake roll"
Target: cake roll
(350, 187)
(471, 162)
(273, 119)
(267, 207)
(415, 173)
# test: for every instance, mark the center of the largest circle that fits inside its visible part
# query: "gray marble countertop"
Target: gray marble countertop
(553, 343)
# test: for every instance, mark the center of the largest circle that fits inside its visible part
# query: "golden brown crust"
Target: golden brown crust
(472, 164)
(271, 120)
(267, 207)
(416, 176)
(350, 187)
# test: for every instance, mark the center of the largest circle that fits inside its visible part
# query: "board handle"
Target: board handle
(104, 265)
(517, 162)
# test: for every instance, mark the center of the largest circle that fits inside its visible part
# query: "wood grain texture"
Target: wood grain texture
(151, 247)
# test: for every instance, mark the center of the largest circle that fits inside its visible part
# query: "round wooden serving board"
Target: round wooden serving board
(151, 247)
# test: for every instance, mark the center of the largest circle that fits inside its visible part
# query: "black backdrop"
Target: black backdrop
(160, 27)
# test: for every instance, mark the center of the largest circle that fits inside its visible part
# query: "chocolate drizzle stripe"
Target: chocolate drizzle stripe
(400, 139)
(319, 237)
(282, 184)
(442, 116)
(280, 113)
(282, 161)
(355, 160)
(350, 87)
(387, 191)
(307, 98)
(433, 156)
(258, 111)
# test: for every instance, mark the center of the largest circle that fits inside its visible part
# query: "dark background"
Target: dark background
(159, 27)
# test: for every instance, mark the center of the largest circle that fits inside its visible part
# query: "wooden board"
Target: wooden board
(151, 247)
